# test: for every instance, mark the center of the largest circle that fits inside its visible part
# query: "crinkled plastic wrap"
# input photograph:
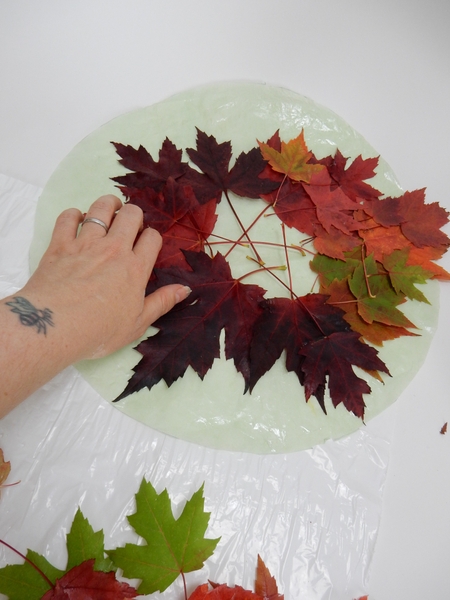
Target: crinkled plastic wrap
(313, 515)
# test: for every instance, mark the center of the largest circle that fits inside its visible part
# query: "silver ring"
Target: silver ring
(97, 221)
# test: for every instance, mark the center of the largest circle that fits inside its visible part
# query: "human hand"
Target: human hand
(94, 282)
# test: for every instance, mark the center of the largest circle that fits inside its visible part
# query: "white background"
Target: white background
(384, 66)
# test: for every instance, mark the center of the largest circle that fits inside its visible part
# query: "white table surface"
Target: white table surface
(68, 67)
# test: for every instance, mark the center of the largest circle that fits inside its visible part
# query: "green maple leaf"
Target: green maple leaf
(83, 543)
(174, 546)
(403, 276)
(24, 582)
(380, 302)
(330, 269)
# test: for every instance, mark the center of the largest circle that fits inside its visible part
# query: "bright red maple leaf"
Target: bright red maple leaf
(352, 180)
(217, 302)
(83, 583)
(294, 207)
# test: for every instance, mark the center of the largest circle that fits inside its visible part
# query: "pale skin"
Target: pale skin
(86, 296)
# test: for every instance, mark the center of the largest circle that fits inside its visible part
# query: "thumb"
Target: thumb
(164, 299)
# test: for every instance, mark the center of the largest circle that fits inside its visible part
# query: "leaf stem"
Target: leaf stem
(366, 277)
(244, 230)
(288, 264)
(30, 562)
(184, 585)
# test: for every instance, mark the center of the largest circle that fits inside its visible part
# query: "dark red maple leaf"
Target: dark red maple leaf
(222, 592)
(309, 325)
(217, 302)
(167, 207)
(214, 160)
(147, 173)
(83, 583)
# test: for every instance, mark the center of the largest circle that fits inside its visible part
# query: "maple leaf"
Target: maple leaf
(83, 543)
(403, 276)
(292, 159)
(83, 583)
(380, 302)
(174, 546)
(424, 257)
(294, 207)
(376, 333)
(384, 240)
(334, 243)
(164, 208)
(214, 160)
(420, 223)
(333, 209)
(352, 180)
(305, 325)
(222, 592)
(266, 585)
(265, 588)
(217, 302)
(147, 173)
(36, 576)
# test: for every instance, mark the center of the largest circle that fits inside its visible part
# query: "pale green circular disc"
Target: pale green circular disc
(214, 412)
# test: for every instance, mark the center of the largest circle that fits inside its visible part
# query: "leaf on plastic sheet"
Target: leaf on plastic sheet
(217, 302)
(173, 546)
(266, 585)
(265, 588)
(333, 356)
(403, 276)
(420, 223)
(84, 583)
(83, 543)
(298, 326)
(5, 468)
(352, 179)
(24, 582)
(148, 173)
(425, 257)
(375, 333)
(214, 159)
(222, 592)
(292, 159)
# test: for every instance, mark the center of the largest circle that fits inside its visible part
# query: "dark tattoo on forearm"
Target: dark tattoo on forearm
(31, 316)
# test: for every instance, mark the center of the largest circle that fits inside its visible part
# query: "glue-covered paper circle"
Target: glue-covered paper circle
(214, 412)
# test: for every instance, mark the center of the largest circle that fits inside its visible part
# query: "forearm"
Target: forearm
(32, 350)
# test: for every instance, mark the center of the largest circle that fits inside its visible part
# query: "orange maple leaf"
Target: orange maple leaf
(292, 160)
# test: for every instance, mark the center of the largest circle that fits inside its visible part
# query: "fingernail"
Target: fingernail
(182, 293)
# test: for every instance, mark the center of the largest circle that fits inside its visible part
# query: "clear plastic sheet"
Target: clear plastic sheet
(313, 515)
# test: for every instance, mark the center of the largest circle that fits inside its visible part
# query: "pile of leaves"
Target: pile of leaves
(369, 253)
(172, 548)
